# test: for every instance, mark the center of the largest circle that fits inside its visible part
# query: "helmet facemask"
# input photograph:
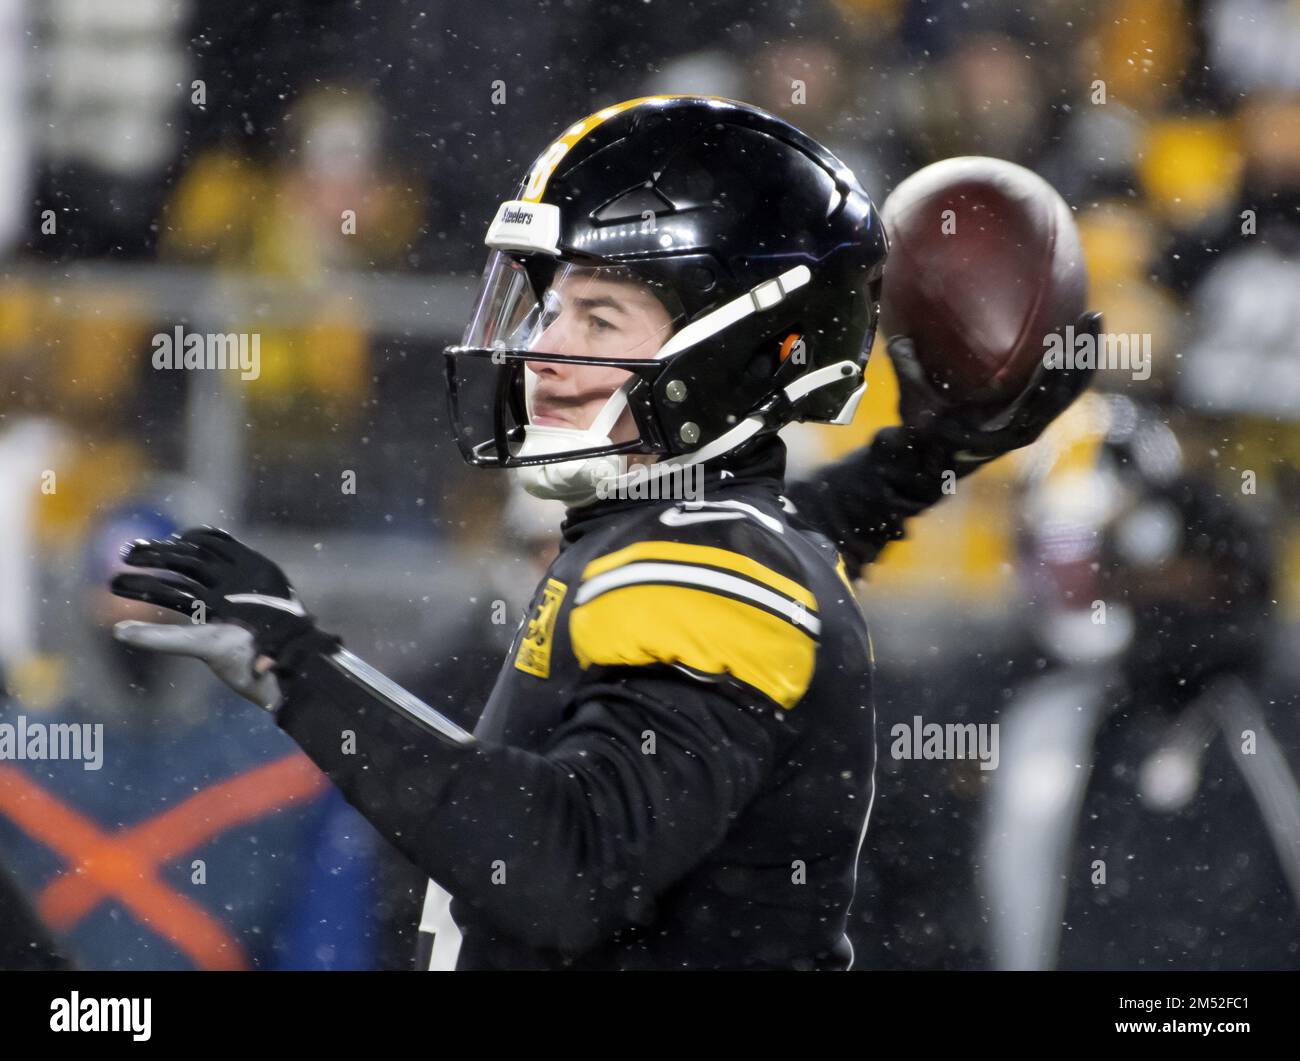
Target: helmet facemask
(553, 372)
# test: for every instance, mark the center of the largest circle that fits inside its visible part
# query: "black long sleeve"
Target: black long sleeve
(561, 846)
(862, 501)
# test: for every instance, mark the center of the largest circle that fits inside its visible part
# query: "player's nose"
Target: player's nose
(554, 339)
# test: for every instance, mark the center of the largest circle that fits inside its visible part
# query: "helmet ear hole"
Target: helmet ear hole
(764, 363)
(779, 358)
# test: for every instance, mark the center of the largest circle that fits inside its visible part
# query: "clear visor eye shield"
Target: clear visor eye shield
(551, 361)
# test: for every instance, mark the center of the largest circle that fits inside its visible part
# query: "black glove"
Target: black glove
(235, 584)
(972, 436)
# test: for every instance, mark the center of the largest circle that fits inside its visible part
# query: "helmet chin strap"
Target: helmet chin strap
(575, 482)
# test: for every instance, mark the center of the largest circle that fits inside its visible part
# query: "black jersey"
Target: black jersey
(675, 767)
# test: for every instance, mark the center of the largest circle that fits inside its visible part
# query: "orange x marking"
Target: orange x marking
(125, 865)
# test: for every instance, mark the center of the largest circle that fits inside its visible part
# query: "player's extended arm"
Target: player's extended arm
(863, 501)
(559, 846)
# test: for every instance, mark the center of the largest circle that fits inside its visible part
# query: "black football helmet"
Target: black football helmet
(752, 261)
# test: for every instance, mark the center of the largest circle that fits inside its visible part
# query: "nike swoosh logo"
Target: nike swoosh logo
(702, 511)
(675, 517)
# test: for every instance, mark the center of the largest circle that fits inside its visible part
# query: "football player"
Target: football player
(675, 767)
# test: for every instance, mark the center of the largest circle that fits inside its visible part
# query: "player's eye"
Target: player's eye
(599, 324)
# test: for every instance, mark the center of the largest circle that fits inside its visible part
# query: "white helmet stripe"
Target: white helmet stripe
(764, 296)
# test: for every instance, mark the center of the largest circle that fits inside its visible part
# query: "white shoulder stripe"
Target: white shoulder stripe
(686, 575)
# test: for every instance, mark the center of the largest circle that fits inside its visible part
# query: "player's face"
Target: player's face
(593, 317)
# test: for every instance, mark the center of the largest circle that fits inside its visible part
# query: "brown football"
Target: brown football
(984, 262)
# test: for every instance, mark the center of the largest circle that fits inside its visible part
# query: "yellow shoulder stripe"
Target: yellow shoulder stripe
(645, 623)
(701, 554)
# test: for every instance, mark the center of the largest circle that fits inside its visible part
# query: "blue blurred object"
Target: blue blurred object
(133, 519)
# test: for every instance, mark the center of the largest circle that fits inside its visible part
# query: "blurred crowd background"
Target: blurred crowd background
(188, 163)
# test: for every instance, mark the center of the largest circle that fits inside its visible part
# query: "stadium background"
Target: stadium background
(223, 215)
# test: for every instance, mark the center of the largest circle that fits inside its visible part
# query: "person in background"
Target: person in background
(1146, 812)
(200, 838)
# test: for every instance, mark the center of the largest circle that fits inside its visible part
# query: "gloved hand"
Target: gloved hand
(227, 590)
(228, 649)
(974, 436)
